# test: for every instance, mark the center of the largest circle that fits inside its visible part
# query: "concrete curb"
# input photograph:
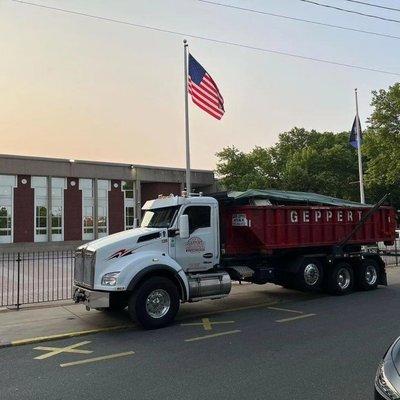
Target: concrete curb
(40, 339)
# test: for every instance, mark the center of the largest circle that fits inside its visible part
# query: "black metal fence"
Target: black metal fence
(35, 277)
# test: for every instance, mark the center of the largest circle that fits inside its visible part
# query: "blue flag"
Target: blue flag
(353, 133)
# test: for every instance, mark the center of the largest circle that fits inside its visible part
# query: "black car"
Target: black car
(387, 380)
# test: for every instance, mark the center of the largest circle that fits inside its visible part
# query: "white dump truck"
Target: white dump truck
(191, 248)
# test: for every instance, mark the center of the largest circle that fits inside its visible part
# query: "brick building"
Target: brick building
(58, 200)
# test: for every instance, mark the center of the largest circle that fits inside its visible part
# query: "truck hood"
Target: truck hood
(127, 240)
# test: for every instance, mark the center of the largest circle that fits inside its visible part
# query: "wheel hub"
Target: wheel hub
(311, 274)
(371, 276)
(158, 303)
(343, 278)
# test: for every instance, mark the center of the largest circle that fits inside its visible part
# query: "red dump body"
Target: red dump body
(247, 229)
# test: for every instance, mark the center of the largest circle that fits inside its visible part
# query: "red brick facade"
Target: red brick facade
(152, 190)
(24, 201)
(116, 212)
(72, 210)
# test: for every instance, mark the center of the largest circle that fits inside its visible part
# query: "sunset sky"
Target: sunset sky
(76, 87)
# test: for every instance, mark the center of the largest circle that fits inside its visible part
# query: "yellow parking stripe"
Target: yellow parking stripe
(295, 318)
(285, 309)
(212, 335)
(94, 359)
(68, 335)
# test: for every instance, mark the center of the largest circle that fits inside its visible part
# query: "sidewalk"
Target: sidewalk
(40, 323)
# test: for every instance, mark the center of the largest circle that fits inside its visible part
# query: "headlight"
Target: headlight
(110, 279)
(383, 384)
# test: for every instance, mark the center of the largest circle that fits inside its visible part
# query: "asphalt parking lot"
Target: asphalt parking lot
(303, 347)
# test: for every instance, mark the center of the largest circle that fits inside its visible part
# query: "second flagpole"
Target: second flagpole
(187, 137)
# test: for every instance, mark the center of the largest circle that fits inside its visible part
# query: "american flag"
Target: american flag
(204, 90)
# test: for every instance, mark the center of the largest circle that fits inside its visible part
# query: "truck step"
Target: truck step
(240, 273)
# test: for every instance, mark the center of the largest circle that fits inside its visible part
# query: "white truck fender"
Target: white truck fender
(150, 262)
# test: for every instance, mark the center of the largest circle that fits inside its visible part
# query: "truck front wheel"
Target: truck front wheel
(154, 303)
(341, 279)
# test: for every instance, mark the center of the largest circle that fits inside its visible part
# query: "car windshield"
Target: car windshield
(159, 217)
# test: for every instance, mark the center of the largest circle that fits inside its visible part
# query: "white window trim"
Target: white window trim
(87, 236)
(10, 238)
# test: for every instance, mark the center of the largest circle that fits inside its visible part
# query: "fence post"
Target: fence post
(18, 277)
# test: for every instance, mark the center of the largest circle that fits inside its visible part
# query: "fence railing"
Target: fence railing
(35, 277)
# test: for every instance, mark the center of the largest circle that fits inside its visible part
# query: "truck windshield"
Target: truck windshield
(159, 217)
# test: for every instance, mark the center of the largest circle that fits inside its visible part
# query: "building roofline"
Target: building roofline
(102, 163)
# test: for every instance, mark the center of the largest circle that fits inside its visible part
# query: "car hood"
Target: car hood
(395, 354)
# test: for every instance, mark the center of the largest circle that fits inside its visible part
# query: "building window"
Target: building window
(41, 220)
(39, 184)
(7, 183)
(128, 204)
(5, 221)
(86, 185)
(102, 207)
(57, 208)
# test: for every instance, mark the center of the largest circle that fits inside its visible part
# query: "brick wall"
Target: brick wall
(72, 210)
(24, 202)
(116, 210)
(152, 190)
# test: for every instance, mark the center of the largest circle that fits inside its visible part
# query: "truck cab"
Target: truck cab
(173, 257)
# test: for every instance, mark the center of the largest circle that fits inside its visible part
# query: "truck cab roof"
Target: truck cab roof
(170, 201)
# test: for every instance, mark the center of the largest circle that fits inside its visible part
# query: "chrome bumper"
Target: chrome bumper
(91, 298)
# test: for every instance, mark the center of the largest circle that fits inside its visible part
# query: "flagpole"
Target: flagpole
(360, 168)
(185, 52)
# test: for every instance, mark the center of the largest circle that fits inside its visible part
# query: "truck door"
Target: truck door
(199, 251)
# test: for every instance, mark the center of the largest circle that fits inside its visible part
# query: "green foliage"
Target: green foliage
(301, 160)
(382, 145)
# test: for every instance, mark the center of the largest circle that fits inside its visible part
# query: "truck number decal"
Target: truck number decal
(239, 220)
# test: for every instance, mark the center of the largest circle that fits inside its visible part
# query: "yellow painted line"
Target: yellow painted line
(259, 305)
(295, 318)
(66, 335)
(53, 351)
(212, 335)
(207, 324)
(94, 359)
(285, 309)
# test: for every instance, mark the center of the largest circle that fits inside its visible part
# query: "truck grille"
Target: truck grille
(84, 268)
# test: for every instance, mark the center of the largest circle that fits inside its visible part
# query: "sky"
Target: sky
(80, 88)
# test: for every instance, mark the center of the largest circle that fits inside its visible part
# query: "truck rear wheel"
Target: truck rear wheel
(154, 303)
(309, 275)
(341, 279)
(368, 275)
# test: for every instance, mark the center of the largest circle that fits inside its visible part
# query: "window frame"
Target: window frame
(191, 230)
(7, 201)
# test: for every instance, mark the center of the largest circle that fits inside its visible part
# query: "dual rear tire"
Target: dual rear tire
(343, 278)
(340, 278)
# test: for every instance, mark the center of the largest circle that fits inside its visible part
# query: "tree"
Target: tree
(382, 145)
(301, 160)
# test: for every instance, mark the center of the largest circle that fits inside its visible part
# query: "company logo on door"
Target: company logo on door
(194, 245)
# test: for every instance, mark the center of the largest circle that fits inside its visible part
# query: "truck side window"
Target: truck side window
(199, 217)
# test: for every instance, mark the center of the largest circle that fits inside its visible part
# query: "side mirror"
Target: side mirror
(184, 227)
